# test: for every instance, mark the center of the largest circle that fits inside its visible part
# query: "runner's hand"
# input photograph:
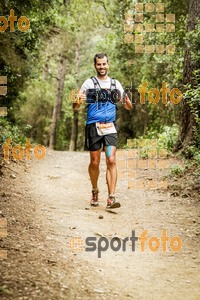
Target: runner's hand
(126, 102)
(82, 97)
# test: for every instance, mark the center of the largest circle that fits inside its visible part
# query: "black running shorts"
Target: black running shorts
(95, 142)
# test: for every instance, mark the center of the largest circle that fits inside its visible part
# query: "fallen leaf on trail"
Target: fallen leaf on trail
(12, 176)
(99, 234)
(54, 176)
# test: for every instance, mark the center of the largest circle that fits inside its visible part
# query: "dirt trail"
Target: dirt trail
(48, 207)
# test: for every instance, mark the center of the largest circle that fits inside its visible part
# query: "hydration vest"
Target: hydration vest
(99, 95)
(96, 83)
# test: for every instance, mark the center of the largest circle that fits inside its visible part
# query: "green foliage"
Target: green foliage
(9, 130)
(195, 153)
(130, 67)
(37, 110)
(4, 290)
(161, 143)
(78, 30)
(166, 138)
(144, 153)
(176, 170)
(19, 50)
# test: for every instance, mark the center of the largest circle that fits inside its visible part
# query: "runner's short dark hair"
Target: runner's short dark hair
(100, 55)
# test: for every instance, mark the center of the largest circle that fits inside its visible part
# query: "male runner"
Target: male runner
(100, 128)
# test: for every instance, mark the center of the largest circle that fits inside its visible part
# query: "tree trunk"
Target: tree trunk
(186, 133)
(58, 100)
(74, 134)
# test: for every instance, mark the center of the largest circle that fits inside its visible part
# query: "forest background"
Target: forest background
(45, 64)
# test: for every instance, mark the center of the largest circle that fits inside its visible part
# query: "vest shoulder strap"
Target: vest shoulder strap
(113, 84)
(96, 83)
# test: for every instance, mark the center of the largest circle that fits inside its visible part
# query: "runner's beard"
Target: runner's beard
(102, 75)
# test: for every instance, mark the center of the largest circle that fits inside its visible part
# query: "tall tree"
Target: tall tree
(74, 134)
(188, 123)
(58, 100)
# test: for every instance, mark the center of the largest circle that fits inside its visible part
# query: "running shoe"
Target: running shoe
(112, 203)
(95, 197)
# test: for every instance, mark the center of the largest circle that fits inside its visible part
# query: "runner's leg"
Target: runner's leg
(108, 179)
(93, 168)
(111, 173)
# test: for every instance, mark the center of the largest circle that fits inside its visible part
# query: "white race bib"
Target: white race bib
(105, 128)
